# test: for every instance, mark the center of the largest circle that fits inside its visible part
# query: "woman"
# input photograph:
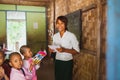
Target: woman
(68, 45)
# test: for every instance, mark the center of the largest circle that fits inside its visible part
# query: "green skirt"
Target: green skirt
(63, 70)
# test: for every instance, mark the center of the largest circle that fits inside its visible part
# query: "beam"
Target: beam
(26, 2)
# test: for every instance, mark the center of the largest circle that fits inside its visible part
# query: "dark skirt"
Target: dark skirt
(63, 70)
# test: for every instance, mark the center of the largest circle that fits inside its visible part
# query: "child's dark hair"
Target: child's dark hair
(12, 54)
(23, 49)
(3, 54)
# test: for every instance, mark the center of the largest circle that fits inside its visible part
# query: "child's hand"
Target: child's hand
(32, 65)
(2, 73)
(38, 62)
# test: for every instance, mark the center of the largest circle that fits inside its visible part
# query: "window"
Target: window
(16, 30)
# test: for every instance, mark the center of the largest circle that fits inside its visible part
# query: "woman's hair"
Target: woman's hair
(13, 54)
(23, 49)
(64, 20)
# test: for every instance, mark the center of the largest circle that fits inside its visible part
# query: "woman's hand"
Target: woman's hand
(61, 49)
(50, 50)
(71, 51)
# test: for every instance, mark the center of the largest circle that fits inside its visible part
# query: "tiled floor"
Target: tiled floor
(46, 71)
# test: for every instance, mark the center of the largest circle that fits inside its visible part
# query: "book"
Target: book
(39, 56)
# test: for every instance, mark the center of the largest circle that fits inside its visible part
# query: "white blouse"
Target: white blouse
(69, 41)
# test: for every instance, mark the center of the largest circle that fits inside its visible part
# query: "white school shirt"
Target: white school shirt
(69, 41)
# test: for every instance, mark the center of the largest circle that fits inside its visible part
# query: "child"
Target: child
(28, 64)
(3, 75)
(16, 64)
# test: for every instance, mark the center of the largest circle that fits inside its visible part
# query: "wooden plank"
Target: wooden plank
(26, 2)
(92, 6)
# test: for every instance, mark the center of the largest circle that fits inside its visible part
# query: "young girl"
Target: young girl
(16, 64)
(28, 65)
(3, 76)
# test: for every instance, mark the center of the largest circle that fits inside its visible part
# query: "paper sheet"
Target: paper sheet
(54, 47)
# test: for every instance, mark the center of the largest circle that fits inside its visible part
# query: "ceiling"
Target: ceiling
(27, 2)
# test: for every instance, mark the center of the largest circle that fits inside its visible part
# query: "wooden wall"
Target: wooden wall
(90, 64)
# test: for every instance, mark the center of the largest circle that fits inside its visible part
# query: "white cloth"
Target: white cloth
(69, 41)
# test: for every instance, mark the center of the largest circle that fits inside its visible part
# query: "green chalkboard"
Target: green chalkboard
(74, 23)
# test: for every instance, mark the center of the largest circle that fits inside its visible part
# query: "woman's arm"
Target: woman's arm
(72, 51)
